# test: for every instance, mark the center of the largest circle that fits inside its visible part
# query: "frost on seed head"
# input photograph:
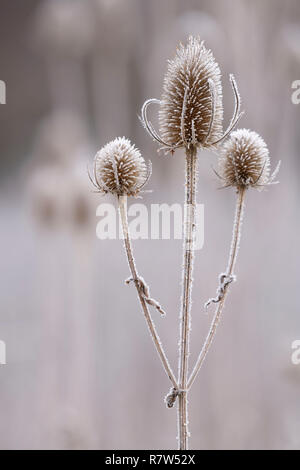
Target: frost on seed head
(120, 169)
(244, 161)
(191, 107)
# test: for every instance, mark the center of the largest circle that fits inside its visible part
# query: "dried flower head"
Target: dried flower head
(191, 108)
(187, 103)
(120, 169)
(244, 161)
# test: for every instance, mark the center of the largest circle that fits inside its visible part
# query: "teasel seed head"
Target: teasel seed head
(120, 169)
(186, 106)
(191, 107)
(244, 161)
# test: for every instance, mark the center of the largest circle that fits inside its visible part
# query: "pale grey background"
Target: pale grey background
(82, 371)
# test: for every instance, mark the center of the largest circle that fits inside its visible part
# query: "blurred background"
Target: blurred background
(81, 369)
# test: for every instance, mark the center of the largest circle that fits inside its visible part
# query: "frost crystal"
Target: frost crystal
(120, 169)
(244, 161)
(191, 109)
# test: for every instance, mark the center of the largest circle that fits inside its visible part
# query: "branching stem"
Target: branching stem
(230, 268)
(124, 220)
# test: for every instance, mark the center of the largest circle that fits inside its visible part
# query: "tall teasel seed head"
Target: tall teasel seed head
(120, 169)
(192, 88)
(244, 161)
(191, 107)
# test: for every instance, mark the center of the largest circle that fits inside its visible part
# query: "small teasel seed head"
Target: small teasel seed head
(120, 169)
(244, 161)
(191, 108)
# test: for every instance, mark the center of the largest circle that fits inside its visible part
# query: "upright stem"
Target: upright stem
(133, 269)
(190, 210)
(229, 272)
